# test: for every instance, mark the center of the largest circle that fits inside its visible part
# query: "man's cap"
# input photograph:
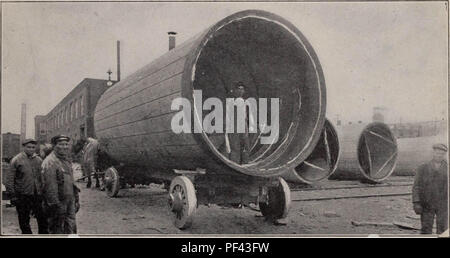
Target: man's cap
(440, 146)
(29, 141)
(59, 138)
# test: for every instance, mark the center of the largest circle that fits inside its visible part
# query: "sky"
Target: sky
(373, 54)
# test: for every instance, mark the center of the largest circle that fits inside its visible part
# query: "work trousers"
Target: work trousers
(62, 218)
(27, 205)
(87, 171)
(239, 145)
(427, 220)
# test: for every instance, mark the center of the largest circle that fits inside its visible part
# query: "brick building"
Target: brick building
(40, 131)
(10, 145)
(74, 115)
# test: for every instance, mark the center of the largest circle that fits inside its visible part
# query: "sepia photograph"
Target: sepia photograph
(249, 119)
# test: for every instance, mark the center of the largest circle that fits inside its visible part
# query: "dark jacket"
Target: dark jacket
(58, 181)
(430, 187)
(24, 175)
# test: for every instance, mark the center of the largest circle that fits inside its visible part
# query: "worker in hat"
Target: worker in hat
(89, 161)
(24, 186)
(237, 143)
(430, 191)
(60, 193)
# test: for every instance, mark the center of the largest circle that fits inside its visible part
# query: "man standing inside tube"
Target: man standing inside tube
(430, 192)
(237, 143)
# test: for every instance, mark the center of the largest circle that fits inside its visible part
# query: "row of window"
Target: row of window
(73, 110)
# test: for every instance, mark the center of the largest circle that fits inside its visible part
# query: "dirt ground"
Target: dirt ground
(144, 210)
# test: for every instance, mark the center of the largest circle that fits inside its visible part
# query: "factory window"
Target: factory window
(73, 110)
(81, 105)
(70, 111)
(63, 117)
(67, 114)
(76, 108)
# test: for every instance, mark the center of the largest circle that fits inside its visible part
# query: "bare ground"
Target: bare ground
(144, 211)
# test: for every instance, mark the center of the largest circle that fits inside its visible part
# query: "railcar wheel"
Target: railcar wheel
(111, 182)
(278, 201)
(182, 201)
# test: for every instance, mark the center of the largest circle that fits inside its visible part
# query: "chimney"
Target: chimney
(23, 123)
(118, 60)
(171, 39)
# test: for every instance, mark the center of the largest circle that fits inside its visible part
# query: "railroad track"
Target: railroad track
(351, 192)
(294, 189)
(352, 197)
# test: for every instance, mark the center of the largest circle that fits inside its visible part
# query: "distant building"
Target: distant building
(10, 145)
(74, 115)
(419, 129)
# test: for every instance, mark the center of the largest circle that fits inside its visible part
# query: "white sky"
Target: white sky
(373, 54)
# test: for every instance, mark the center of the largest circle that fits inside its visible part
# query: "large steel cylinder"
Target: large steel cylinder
(267, 53)
(413, 152)
(322, 162)
(368, 152)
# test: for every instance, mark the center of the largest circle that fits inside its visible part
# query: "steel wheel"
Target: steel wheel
(111, 182)
(278, 201)
(182, 201)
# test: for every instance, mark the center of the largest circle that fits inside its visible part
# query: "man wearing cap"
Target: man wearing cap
(430, 191)
(237, 143)
(60, 192)
(24, 186)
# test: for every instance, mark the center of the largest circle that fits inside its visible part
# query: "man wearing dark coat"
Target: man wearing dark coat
(430, 192)
(23, 184)
(60, 192)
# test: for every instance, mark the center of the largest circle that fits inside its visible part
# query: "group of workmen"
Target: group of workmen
(42, 185)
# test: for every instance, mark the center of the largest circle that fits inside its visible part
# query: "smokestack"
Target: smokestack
(379, 114)
(23, 123)
(118, 60)
(171, 39)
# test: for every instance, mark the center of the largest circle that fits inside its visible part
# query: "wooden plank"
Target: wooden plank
(154, 91)
(149, 141)
(405, 225)
(352, 196)
(371, 223)
(147, 111)
(156, 65)
(149, 82)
